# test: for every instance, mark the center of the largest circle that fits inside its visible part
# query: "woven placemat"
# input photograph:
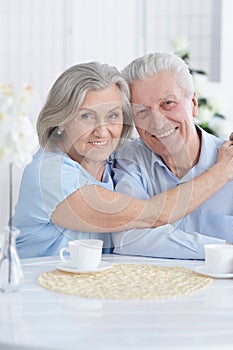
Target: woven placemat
(128, 281)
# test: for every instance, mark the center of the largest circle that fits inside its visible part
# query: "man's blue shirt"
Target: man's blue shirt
(142, 174)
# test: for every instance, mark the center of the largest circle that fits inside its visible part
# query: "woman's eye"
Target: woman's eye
(86, 116)
(113, 116)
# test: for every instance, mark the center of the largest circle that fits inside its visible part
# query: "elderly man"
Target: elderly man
(171, 150)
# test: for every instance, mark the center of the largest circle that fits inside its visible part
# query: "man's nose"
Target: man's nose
(157, 120)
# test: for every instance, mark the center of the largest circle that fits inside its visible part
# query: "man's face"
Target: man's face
(163, 114)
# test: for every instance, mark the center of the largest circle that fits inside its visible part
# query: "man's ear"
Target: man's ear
(195, 105)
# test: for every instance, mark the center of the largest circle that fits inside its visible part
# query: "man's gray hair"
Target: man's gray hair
(159, 62)
(67, 95)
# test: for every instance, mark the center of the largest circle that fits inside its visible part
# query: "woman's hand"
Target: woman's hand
(225, 158)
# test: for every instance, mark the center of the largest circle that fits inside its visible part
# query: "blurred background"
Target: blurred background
(41, 38)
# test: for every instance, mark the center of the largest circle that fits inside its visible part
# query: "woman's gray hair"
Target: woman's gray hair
(159, 62)
(67, 95)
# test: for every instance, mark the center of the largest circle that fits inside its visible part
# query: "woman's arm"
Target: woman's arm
(95, 209)
(184, 199)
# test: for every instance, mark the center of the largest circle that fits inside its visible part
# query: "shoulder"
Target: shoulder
(133, 150)
(209, 140)
(57, 164)
(52, 172)
(210, 145)
(59, 171)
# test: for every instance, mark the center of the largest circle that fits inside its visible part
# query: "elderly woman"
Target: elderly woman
(67, 191)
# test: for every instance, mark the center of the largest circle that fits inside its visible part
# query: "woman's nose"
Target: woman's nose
(101, 130)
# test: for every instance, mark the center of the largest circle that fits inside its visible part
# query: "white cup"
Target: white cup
(219, 258)
(84, 254)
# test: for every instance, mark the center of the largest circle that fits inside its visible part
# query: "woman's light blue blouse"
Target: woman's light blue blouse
(48, 180)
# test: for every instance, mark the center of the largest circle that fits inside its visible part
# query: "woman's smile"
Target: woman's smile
(94, 132)
(99, 144)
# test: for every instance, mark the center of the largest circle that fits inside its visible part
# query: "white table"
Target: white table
(36, 318)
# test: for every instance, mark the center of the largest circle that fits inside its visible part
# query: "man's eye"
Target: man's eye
(168, 105)
(142, 112)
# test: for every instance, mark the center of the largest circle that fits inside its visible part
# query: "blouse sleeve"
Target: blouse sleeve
(59, 177)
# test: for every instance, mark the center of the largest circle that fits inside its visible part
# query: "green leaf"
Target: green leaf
(207, 129)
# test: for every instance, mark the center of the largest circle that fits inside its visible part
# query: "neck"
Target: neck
(95, 168)
(182, 162)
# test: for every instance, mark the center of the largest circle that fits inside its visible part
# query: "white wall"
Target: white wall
(65, 32)
(227, 55)
(41, 38)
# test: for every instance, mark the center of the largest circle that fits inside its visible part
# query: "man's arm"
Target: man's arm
(162, 242)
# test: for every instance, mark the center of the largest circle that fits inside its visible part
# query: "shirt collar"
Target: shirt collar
(208, 155)
(209, 150)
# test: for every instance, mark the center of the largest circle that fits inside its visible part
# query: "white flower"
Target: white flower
(201, 85)
(210, 102)
(204, 114)
(17, 136)
(222, 127)
(180, 45)
(217, 104)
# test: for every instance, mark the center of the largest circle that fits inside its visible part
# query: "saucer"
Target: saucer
(67, 267)
(203, 270)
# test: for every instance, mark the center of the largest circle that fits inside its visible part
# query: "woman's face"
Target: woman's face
(93, 134)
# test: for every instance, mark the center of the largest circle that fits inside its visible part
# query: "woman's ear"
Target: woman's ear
(61, 128)
(195, 105)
